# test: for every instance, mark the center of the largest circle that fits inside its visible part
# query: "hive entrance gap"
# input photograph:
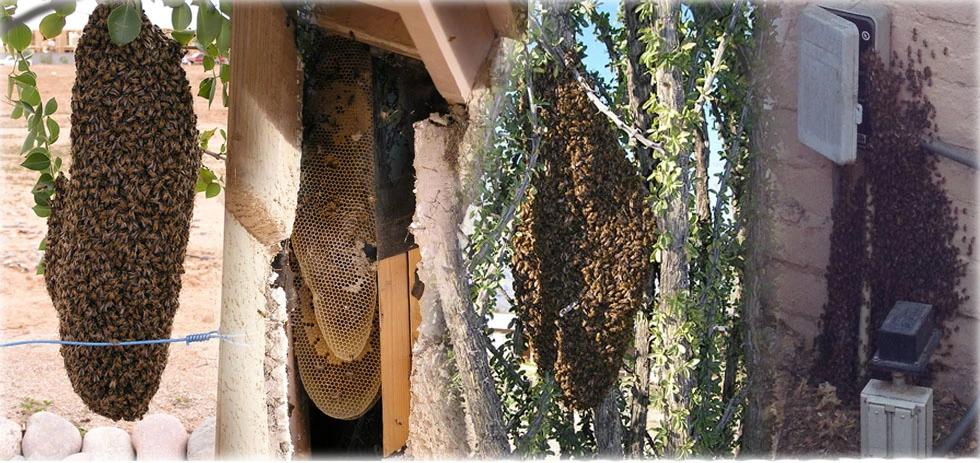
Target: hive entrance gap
(351, 246)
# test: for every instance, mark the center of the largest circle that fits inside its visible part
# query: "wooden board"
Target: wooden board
(396, 353)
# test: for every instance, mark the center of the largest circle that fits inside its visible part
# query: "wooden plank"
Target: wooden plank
(368, 24)
(415, 309)
(395, 351)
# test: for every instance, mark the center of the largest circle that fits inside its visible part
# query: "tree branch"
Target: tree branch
(218, 156)
(632, 132)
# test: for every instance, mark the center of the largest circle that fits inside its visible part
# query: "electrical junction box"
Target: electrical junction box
(896, 420)
(831, 87)
(907, 338)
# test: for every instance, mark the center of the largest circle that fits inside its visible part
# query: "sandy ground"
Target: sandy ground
(33, 377)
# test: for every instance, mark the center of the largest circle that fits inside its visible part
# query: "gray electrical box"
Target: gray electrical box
(896, 420)
(831, 88)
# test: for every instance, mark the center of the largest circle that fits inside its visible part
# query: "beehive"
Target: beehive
(120, 222)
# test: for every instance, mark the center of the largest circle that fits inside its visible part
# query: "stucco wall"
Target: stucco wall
(801, 180)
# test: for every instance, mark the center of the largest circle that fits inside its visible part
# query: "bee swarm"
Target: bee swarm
(119, 225)
(582, 248)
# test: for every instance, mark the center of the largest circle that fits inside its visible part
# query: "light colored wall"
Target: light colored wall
(801, 179)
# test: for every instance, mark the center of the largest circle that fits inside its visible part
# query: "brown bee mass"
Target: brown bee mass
(582, 248)
(908, 222)
(120, 222)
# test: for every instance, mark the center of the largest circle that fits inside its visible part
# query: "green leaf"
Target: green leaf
(42, 211)
(224, 37)
(44, 244)
(183, 37)
(51, 25)
(43, 198)
(53, 130)
(18, 37)
(208, 23)
(208, 62)
(173, 3)
(225, 6)
(181, 17)
(26, 79)
(205, 137)
(30, 96)
(64, 8)
(50, 107)
(17, 112)
(207, 89)
(212, 191)
(40, 268)
(124, 24)
(224, 73)
(37, 160)
(28, 143)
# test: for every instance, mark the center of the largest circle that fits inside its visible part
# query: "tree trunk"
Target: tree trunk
(607, 428)
(447, 167)
(674, 269)
(639, 88)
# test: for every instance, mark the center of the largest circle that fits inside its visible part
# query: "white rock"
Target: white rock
(10, 435)
(81, 456)
(200, 446)
(108, 443)
(160, 437)
(50, 437)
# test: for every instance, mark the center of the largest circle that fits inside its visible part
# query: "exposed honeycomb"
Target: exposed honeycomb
(334, 235)
(341, 389)
(334, 241)
(582, 248)
(119, 226)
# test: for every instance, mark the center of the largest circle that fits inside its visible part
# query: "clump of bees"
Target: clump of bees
(119, 225)
(909, 221)
(582, 248)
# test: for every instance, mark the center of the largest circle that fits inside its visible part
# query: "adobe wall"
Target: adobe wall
(801, 180)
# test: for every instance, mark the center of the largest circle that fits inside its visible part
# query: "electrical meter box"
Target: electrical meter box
(831, 88)
(896, 420)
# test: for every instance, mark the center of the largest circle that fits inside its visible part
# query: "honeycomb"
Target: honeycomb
(334, 236)
(342, 389)
(334, 241)
(119, 225)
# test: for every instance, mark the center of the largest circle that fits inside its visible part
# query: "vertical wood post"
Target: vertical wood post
(260, 201)
(396, 353)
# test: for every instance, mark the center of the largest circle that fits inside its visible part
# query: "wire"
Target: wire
(190, 338)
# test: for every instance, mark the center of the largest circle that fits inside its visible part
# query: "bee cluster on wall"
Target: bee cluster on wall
(119, 225)
(582, 248)
(894, 225)
(334, 238)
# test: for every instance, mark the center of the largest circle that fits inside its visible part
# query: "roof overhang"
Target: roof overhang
(452, 39)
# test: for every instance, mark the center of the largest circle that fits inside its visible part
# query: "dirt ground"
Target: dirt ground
(33, 378)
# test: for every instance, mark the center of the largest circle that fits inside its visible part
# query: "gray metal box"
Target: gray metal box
(896, 420)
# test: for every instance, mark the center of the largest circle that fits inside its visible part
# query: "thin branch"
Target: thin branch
(632, 132)
(544, 406)
(730, 408)
(218, 156)
(532, 161)
(709, 77)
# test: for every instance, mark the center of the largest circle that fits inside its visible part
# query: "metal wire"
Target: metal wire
(190, 338)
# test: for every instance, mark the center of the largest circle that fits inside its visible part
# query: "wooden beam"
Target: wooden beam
(260, 202)
(453, 40)
(396, 353)
(507, 17)
(368, 24)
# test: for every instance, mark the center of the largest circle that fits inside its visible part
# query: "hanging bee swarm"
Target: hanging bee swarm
(582, 248)
(897, 203)
(120, 222)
